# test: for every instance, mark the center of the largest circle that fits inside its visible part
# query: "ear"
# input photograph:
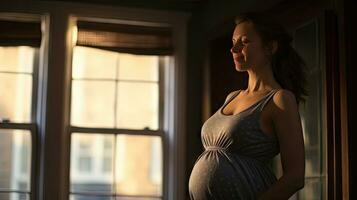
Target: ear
(274, 47)
(271, 48)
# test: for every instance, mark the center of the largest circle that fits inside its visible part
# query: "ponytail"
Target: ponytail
(289, 71)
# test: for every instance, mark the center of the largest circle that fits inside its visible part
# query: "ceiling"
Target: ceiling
(183, 5)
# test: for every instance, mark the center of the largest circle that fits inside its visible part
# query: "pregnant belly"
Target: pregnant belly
(217, 172)
(213, 167)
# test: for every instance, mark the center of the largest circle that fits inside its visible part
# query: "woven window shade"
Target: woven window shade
(15, 33)
(125, 38)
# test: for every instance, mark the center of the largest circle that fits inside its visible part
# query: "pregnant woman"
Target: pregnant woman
(257, 123)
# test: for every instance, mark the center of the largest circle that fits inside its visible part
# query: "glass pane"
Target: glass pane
(138, 67)
(92, 163)
(89, 197)
(310, 117)
(93, 103)
(15, 159)
(93, 63)
(139, 165)
(306, 44)
(137, 105)
(16, 97)
(137, 198)
(313, 189)
(14, 196)
(17, 59)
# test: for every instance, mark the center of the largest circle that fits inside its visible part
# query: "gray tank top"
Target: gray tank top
(237, 156)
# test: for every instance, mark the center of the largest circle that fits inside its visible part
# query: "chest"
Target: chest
(240, 106)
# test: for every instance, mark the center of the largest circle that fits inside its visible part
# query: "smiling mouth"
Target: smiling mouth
(238, 59)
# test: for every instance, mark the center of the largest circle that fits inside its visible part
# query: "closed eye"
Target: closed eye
(245, 41)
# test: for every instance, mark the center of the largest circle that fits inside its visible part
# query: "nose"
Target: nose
(236, 48)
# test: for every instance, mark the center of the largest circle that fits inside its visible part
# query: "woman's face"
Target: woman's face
(247, 49)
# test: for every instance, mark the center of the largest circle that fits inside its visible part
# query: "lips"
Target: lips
(238, 59)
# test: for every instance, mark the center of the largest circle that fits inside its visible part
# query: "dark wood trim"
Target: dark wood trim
(346, 141)
(55, 151)
(333, 109)
(113, 131)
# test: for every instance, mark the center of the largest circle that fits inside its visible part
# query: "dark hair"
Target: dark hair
(287, 65)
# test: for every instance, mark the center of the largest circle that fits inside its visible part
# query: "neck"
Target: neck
(261, 80)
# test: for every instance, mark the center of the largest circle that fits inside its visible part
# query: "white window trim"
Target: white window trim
(54, 177)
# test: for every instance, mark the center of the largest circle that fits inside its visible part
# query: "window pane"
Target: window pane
(139, 165)
(16, 97)
(311, 115)
(93, 63)
(306, 43)
(313, 189)
(14, 196)
(138, 67)
(88, 153)
(137, 198)
(88, 197)
(93, 103)
(311, 112)
(85, 164)
(17, 59)
(15, 159)
(137, 105)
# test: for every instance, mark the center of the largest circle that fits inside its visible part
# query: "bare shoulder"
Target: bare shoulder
(230, 95)
(284, 100)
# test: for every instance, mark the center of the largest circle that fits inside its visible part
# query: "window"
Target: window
(18, 88)
(306, 43)
(311, 113)
(117, 112)
(43, 139)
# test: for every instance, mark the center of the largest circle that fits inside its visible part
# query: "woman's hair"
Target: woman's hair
(288, 67)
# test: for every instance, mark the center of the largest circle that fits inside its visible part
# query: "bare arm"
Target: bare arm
(288, 129)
